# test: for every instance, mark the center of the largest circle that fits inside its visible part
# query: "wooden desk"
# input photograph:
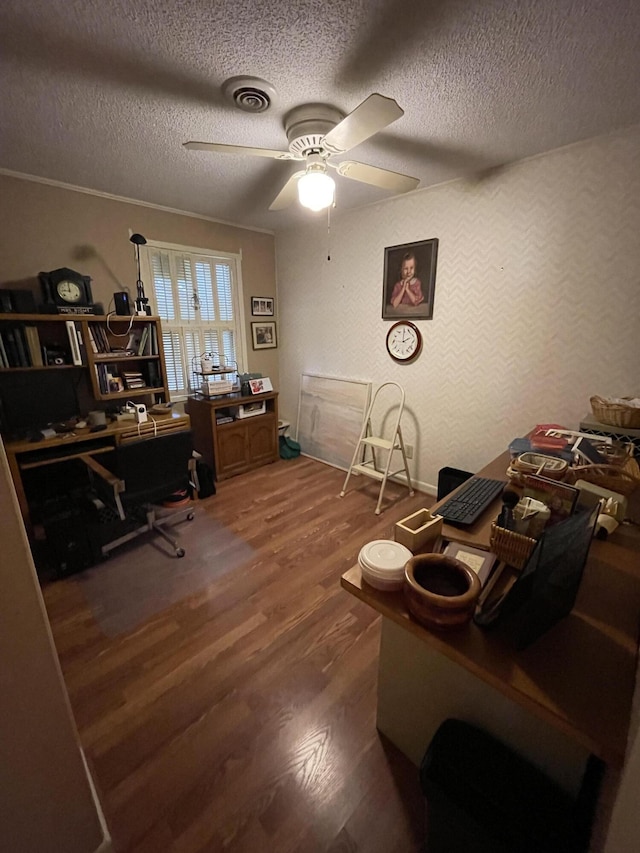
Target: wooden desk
(23, 455)
(572, 688)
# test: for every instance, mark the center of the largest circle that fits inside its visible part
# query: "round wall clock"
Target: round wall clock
(404, 341)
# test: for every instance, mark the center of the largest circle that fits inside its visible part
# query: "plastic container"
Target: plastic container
(382, 562)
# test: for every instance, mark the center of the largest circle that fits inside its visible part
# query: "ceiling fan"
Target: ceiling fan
(316, 133)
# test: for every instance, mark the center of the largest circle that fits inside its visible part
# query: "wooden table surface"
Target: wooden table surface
(25, 454)
(113, 429)
(580, 675)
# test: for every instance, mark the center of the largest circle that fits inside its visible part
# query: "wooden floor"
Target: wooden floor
(242, 718)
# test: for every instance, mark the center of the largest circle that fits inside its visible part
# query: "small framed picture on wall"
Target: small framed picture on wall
(409, 280)
(262, 306)
(263, 335)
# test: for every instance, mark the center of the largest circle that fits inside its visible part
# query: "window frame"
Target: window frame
(235, 263)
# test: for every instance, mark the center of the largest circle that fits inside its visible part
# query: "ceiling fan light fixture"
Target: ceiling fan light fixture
(316, 189)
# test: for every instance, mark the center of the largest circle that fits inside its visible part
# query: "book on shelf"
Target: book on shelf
(33, 345)
(72, 334)
(101, 375)
(4, 360)
(144, 341)
(16, 348)
(13, 357)
(92, 340)
(153, 374)
(21, 343)
(100, 337)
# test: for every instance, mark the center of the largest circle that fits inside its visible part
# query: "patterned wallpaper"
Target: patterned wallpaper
(537, 300)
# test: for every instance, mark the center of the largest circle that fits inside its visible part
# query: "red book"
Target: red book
(541, 441)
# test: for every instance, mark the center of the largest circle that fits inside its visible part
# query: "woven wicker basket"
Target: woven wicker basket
(512, 548)
(623, 479)
(537, 463)
(615, 414)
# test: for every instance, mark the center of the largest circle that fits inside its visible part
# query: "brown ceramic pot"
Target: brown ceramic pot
(441, 592)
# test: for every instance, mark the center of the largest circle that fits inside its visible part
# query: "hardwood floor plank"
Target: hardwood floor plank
(242, 716)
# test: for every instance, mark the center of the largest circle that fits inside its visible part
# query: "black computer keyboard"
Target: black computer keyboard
(470, 501)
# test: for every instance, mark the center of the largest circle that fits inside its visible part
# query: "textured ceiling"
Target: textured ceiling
(102, 93)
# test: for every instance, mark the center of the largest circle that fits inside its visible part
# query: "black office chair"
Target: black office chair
(137, 475)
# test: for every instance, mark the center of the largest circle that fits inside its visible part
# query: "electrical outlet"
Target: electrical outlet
(408, 449)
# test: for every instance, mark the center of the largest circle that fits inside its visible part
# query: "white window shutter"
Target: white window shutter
(186, 289)
(206, 296)
(174, 360)
(224, 293)
(195, 299)
(162, 285)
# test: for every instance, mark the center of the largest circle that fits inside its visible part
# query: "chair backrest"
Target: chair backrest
(153, 467)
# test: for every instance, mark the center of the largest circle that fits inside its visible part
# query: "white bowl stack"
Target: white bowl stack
(382, 562)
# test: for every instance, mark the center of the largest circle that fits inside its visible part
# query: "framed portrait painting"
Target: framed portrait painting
(409, 280)
(262, 306)
(263, 335)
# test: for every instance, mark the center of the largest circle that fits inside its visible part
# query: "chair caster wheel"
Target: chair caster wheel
(180, 552)
(190, 516)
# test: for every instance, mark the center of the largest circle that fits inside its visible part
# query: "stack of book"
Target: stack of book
(133, 379)
(224, 416)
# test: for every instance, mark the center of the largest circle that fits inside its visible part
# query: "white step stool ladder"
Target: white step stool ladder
(369, 444)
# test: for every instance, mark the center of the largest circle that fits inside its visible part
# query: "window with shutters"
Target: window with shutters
(197, 297)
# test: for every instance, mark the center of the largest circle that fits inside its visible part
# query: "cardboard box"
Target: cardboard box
(213, 387)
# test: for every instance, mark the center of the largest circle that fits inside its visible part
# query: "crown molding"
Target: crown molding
(73, 188)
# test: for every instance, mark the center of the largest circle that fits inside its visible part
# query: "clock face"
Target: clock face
(69, 291)
(404, 341)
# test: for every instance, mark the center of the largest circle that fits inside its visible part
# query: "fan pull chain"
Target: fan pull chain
(329, 233)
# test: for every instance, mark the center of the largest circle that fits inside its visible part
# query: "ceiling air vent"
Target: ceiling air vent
(249, 94)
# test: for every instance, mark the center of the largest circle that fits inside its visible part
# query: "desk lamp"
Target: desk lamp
(142, 303)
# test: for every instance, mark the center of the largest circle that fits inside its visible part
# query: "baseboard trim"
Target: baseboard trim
(419, 486)
(106, 845)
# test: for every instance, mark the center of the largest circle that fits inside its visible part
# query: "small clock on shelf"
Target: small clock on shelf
(66, 291)
(404, 341)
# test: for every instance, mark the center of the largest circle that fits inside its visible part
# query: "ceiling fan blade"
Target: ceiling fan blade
(374, 113)
(377, 177)
(288, 194)
(238, 149)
